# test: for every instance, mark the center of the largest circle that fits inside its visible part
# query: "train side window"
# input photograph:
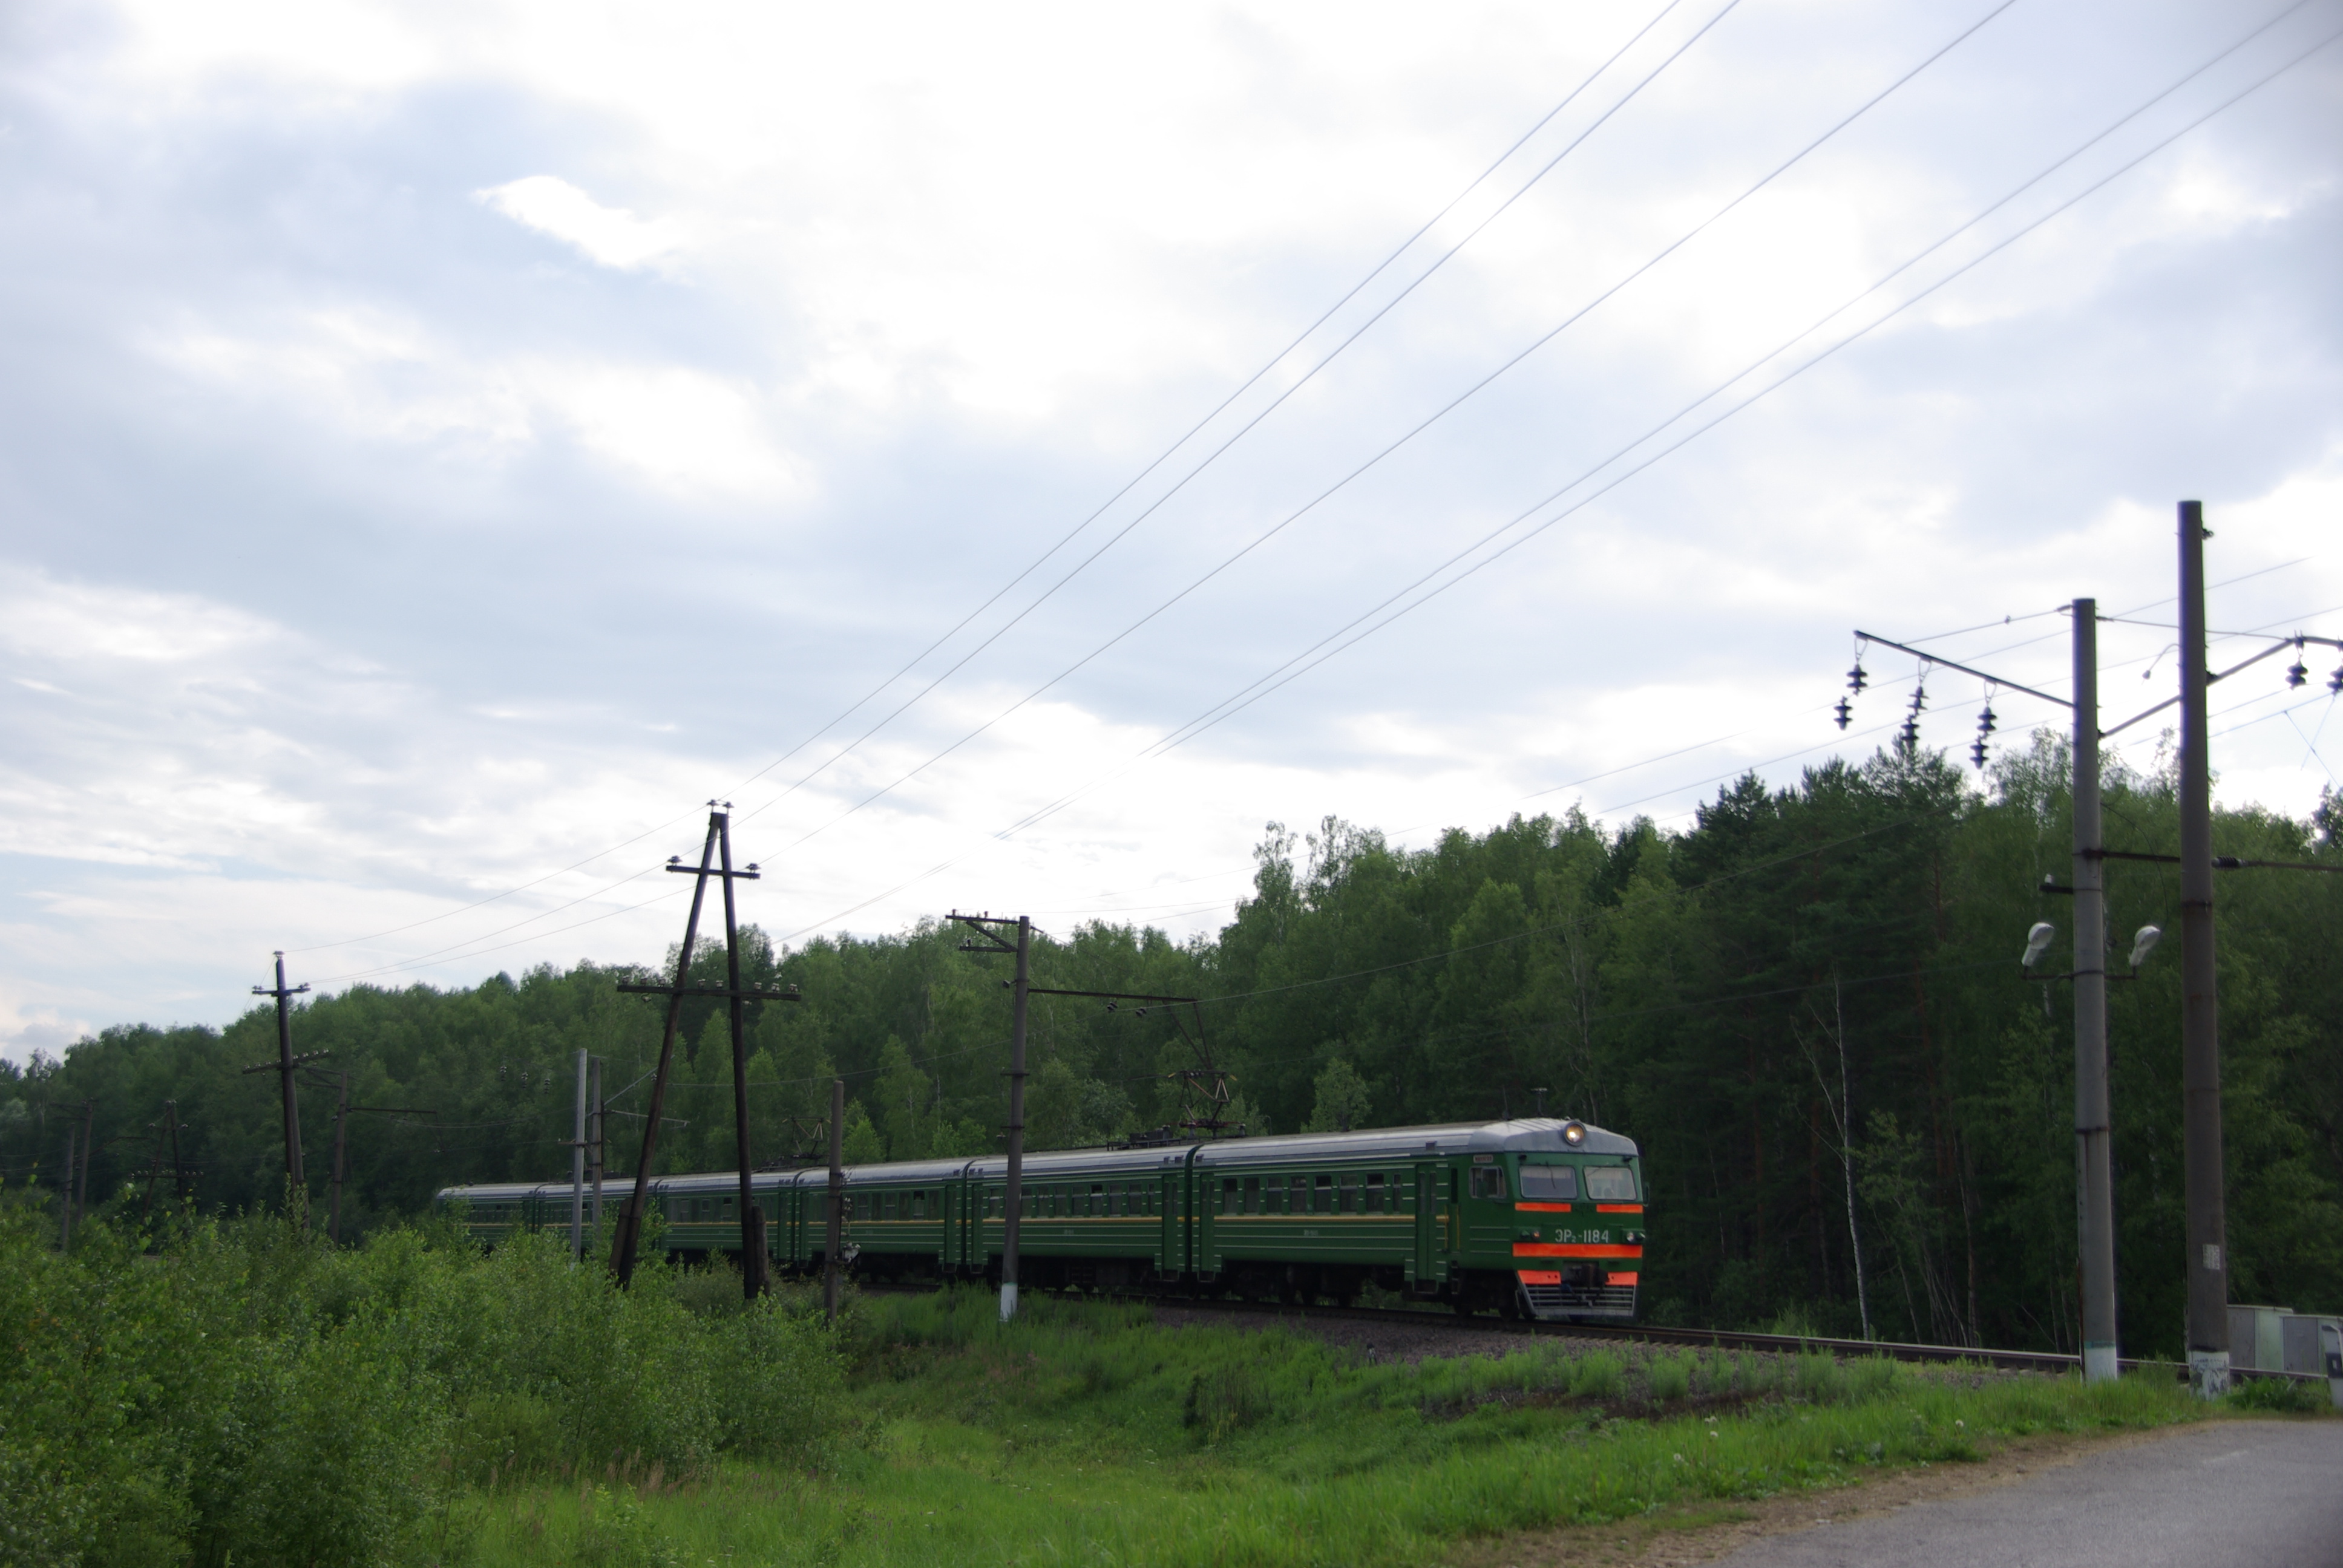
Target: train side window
(1610, 1184)
(1228, 1195)
(1375, 1192)
(725, 1211)
(918, 1205)
(1253, 1195)
(1549, 1183)
(1350, 1192)
(1321, 1200)
(1488, 1182)
(1097, 1199)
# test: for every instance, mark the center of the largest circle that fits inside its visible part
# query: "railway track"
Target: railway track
(2045, 1362)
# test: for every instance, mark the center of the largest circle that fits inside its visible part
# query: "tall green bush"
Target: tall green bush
(244, 1392)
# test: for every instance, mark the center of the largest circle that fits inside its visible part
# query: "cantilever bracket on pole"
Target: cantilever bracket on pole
(2279, 646)
(1942, 662)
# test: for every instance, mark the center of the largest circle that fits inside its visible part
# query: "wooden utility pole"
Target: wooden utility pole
(2200, 1016)
(599, 1146)
(283, 1067)
(578, 1167)
(834, 1209)
(1020, 992)
(752, 1217)
(341, 1156)
(89, 1148)
(65, 1195)
(630, 1220)
(167, 1130)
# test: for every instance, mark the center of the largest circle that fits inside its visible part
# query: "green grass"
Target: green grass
(1086, 1435)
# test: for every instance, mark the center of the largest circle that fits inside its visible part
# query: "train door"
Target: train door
(1429, 1177)
(1169, 1261)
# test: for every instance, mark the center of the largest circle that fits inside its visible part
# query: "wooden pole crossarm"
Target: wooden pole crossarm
(280, 1066)
(748, 873)
(746, 993)
(1106, 995)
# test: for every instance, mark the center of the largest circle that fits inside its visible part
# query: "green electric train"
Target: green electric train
(1534, 1217)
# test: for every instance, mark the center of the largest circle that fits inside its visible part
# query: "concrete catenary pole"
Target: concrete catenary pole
(2094, 1178)
(578, 1168)
(1013, 1194)
(834, 1204)
(2200, 1017)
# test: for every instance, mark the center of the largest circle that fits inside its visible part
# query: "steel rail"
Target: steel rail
(2047, 1362)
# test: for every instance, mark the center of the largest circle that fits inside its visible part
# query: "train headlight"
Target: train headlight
(1573, 1134)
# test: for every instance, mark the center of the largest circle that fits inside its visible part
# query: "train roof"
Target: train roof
(1524, 1135)
(1520, 1135)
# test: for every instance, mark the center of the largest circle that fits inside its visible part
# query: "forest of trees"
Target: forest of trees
(1807, 1006)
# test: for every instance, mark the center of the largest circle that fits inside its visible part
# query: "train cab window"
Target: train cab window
(1549, 1183)
(1374, 1193)
(1610, 1183)
(1322, 1200)
(1488, 1182)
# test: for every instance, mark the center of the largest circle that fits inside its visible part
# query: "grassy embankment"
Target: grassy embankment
(1085, 1434)
(198, 1394)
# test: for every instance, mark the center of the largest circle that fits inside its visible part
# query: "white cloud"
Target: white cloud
(611, 235)
(953, 275)
(681, 429)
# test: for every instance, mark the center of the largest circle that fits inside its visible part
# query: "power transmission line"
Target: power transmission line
(1288, 672)
(1212, 716)
(1393, 445)
(1168, 453)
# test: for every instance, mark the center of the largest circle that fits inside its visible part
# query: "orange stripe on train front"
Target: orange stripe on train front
(1573, 1249)
(1618, 1208)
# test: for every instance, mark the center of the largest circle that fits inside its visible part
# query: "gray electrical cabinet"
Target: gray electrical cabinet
(2281, 1340)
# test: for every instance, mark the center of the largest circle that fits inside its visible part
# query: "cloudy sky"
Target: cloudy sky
(1013, 453)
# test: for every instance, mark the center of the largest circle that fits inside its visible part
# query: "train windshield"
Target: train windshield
(1549, 1183)
(1610, 1183)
